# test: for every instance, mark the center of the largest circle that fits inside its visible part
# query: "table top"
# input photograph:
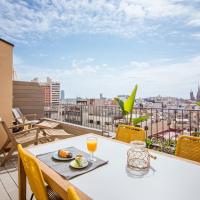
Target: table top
(169, 177)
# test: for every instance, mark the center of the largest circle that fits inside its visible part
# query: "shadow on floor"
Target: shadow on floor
(11, 164)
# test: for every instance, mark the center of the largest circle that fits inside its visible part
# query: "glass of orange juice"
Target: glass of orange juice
(92, 146)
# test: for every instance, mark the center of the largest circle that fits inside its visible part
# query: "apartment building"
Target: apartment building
(62, 95)
(51, 92)
(46, 89)
(55, 93)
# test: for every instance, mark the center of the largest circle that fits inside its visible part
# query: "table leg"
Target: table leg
(21, 180)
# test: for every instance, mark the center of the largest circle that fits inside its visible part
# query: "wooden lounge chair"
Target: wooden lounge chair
(51, 131)
(9, 140)
(48, 124)
(22, 119)
(56, 134)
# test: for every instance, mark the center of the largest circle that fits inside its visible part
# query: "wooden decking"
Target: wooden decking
(9, 181)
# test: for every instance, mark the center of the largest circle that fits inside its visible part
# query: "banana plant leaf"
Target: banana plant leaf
(138, 120)
(121, 105)
(198, 103)
(129, 103)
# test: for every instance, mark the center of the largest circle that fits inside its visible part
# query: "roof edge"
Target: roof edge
(6, 42)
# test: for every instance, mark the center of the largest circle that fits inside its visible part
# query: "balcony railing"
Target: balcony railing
(162, 123)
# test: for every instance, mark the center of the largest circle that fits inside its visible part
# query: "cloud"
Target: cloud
(86, 78)
(153, 9)
(22, 20)
(194, 20)
(196, 35)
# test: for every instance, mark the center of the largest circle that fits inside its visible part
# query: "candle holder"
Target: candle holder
(138, 157)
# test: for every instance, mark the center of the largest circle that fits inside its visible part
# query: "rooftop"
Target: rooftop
(71, 133)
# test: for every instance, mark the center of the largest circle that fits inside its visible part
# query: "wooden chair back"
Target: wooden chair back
(127, 133)
(5, 135)
(9, 141)
(19, 117)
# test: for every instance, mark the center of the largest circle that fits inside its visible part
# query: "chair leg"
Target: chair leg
(7, 157)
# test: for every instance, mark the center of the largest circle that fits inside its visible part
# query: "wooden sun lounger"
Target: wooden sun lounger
(9, 140)
(56, 134)
(23, 119)
(50, 129)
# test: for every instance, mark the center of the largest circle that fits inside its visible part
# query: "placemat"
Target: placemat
(63, 167)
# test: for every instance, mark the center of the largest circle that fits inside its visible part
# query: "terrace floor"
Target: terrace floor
(9, 181)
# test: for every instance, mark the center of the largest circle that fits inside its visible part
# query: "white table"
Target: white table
(173, 179)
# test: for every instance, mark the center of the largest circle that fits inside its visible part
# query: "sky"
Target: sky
(106, 46)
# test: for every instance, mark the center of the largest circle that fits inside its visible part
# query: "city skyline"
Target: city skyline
(107, 46)
(192, 96)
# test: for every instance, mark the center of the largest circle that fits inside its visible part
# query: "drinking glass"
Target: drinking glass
(92, 146)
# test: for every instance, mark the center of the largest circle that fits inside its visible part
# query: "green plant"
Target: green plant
(149, 143)
(128, 105)
(167, 145)
(196, 134)
(138, 120)
(198, 103)
(161, 144)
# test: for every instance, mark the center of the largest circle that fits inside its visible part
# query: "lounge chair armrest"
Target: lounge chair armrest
(21, 117)
(31, 115)
(26, 131)
(19, 125)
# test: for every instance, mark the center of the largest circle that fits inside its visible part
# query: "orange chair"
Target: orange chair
(188, 147)
(127, 133)
(36, 180)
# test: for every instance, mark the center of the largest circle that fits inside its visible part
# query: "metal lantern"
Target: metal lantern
(138, 157)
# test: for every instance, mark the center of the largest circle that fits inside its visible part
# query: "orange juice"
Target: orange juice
(92, 145)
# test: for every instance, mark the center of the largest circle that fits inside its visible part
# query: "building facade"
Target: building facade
(46, 89)
(6, 86)
(62, 95)
(192, 96)
(51, 92)
(55, 93)
(198, 94)
(28, 96)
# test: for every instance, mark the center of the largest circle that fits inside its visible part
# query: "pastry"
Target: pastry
(64, 153)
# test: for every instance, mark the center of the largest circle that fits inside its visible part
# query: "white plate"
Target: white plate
(74, 164)
(57, 157)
